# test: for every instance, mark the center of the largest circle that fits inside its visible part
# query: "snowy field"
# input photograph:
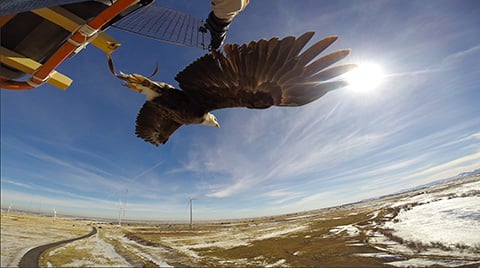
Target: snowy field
(96, 252)
(21, 232)
(450, 222)
(437, 226)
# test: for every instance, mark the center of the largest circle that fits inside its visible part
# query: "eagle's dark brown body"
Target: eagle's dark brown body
(255, 75)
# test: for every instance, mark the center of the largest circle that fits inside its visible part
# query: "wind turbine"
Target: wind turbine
(8, 211)
(122, 205)
(54, 214)
(191, 209)
(120, 213)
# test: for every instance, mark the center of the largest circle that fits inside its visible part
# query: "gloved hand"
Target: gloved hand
(218, 30)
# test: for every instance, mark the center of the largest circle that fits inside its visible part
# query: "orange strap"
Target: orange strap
(13, 85)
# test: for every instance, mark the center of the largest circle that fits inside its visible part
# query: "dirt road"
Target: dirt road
(32, 257)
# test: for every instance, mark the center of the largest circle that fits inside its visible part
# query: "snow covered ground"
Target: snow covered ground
(147, 253)
(21, 232)
(451, 222)
(350, 230)
(438, 226)
(100, 253)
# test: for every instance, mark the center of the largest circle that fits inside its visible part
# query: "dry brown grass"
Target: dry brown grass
(20, 232)
(39, 223)
(129, 256)
(313, 246)
(64, 256)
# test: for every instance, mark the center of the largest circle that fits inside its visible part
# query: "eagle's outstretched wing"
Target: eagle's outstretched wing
(154, 125)
(264, 73)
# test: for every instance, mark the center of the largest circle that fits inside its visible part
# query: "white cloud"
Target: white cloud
(447, 169)
(462, 57)
(260, 148)
(314, 201)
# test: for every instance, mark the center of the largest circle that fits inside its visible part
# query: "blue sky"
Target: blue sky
(76, 150)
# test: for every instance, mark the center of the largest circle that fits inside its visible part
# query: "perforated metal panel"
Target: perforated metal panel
(166, 25)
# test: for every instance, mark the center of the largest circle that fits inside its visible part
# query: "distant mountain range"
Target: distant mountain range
(457, 177)
(430, 184)
(467, 174)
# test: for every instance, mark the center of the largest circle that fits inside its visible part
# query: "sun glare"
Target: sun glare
(365, 78)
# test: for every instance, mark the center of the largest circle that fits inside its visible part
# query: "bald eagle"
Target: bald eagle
(256, 75)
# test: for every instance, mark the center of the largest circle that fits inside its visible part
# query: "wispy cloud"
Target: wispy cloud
(464, 57)
(16, 183)
(304, 142)
(446, 169)
(335, 137)
(78, 170)
(313, 201)
(83, 206)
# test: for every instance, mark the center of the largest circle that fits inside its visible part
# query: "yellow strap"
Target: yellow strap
(29, 66)
(71, 23)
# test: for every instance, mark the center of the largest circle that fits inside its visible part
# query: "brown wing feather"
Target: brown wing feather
(153, 125)
(264, 73)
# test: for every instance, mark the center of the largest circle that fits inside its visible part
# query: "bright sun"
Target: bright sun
(365, 78)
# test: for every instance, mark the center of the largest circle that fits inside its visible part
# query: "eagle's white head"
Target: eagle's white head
(210, 120)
